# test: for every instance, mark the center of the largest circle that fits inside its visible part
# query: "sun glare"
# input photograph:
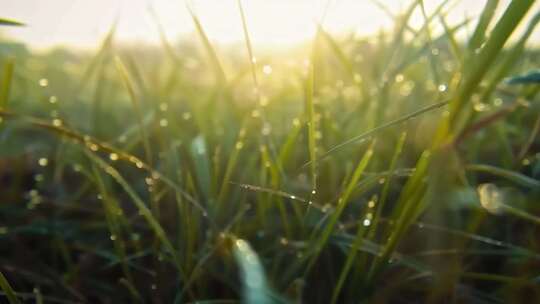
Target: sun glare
(278, 23)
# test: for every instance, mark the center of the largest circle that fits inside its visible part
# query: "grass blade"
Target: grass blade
(10, 22)
(254, 283)
(6, 83)
(10, 293)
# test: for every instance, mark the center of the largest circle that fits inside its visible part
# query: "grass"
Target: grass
(348, 169)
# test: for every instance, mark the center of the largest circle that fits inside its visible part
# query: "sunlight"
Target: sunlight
(274, 23)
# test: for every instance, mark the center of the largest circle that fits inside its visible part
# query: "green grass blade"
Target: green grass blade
(6, 83)
(144, 211)
(507, 174)
(255, 287)
(10, 293)
(479, 35)
(342, 203)
(389, 124)
(10, 22)
(487, 55)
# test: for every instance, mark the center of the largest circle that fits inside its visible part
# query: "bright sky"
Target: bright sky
(83, 23)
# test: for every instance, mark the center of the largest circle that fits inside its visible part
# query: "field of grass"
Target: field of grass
(398, 168)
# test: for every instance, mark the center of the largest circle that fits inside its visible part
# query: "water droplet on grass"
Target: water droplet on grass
(491, 197)
(57, 122)
(43, 162)
(113, 156)
(43, 82)
(442, 88)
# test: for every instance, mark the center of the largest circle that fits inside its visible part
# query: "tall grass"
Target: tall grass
(348, 169)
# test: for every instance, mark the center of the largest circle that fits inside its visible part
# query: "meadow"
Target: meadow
(403, 167)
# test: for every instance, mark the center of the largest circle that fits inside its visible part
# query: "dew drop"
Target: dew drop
(186, 116)
(113, 237)
(163, 122)
(490, 198)
(442, 88)
(113, 156)
(480, 107)
(43, 82)
(57, 122)
(43, 162)
(93, 147)
(163, 107)
(366, 222)
(53, 99)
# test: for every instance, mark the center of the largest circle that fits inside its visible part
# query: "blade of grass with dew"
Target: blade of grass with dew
(144, 211)
(10, 293)
(268, 168)
(112, 213)
(389, 124)
(402, 213)
(6, 83)
(94, 145)
(386, 187)
(343, 201)
(351, 256)
(483, 62)
(479, 34)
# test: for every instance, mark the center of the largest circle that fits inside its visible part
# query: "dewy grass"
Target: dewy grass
(169, 180)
